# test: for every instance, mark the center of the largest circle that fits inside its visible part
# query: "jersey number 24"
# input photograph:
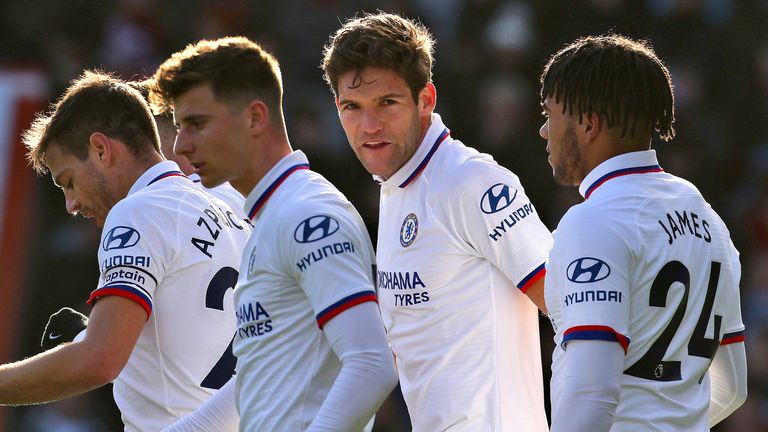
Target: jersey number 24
(652, 365)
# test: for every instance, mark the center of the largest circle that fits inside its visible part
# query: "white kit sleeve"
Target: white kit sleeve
(367, 374)
(591, 387)
(728, 382)
(217, 414)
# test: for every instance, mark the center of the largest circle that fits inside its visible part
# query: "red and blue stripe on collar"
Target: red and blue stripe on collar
(271, 189)
(166, 175)
(443, 135)
(619, 173)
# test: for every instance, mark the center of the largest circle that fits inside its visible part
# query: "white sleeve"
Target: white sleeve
(217, 414)
(728, 381)
(367, 374)
(591, 387)
(489, 210)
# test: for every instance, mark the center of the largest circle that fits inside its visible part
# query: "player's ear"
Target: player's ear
(592, 124)
(257, 114)
(427, 99)
(100, 147)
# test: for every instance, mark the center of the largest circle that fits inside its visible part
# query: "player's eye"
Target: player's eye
(349, 106)
(388, 102)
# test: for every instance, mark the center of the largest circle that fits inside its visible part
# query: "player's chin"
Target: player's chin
(378, 166)
(210, 181)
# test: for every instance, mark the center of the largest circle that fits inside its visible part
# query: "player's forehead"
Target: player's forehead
(371, 82)
(198, 100)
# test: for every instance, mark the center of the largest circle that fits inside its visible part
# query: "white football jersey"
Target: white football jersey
(646, 262)
(174, 250)
(309, 259)
(226, 193)
(458, 244)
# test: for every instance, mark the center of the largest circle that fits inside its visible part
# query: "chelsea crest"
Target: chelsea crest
(408, 230)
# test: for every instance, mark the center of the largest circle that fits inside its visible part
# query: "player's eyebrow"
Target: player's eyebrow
(391, 96)
(544, 106)
(191, 118)
(378, 98)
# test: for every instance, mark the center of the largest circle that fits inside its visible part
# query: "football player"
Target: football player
(310, 344)
(162, 320)
(643, 279)
(460, 250)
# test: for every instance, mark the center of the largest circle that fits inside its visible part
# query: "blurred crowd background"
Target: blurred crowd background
(489, 55)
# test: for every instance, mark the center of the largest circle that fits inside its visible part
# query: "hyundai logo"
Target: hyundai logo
(587, 270)
(315, 228)
(497, 198)
(120, 237)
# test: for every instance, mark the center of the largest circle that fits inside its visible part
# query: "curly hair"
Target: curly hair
(620, 79)
(380, 40)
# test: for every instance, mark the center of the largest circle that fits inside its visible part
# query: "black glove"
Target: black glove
(62, 327)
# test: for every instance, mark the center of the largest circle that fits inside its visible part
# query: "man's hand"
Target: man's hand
(62, 327)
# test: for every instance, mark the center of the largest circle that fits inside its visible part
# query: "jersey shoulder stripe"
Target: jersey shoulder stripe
(340, 306)
(532, 277)
(595, 332)
(129, 292)
(734, 337)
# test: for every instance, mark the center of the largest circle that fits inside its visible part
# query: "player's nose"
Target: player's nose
(371, 122)
(544, 130)
(73, 205)
(182, 145)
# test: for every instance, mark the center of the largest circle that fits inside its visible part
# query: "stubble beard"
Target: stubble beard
(106, 199)
(566, 171)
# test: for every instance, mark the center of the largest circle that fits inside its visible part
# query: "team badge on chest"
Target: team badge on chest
(408, 230)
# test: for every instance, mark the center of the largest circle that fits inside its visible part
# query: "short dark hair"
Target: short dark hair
(620, 79)
(143, 88)
(381, 40)
(94, 102)
(237, 69)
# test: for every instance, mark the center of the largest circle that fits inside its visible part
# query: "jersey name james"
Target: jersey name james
(647, 263)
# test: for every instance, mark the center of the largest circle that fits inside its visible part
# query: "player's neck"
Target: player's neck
(608, 146)
(134, 169)
(262, 157)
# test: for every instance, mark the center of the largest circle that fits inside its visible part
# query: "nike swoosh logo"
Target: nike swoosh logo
(52, 336)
